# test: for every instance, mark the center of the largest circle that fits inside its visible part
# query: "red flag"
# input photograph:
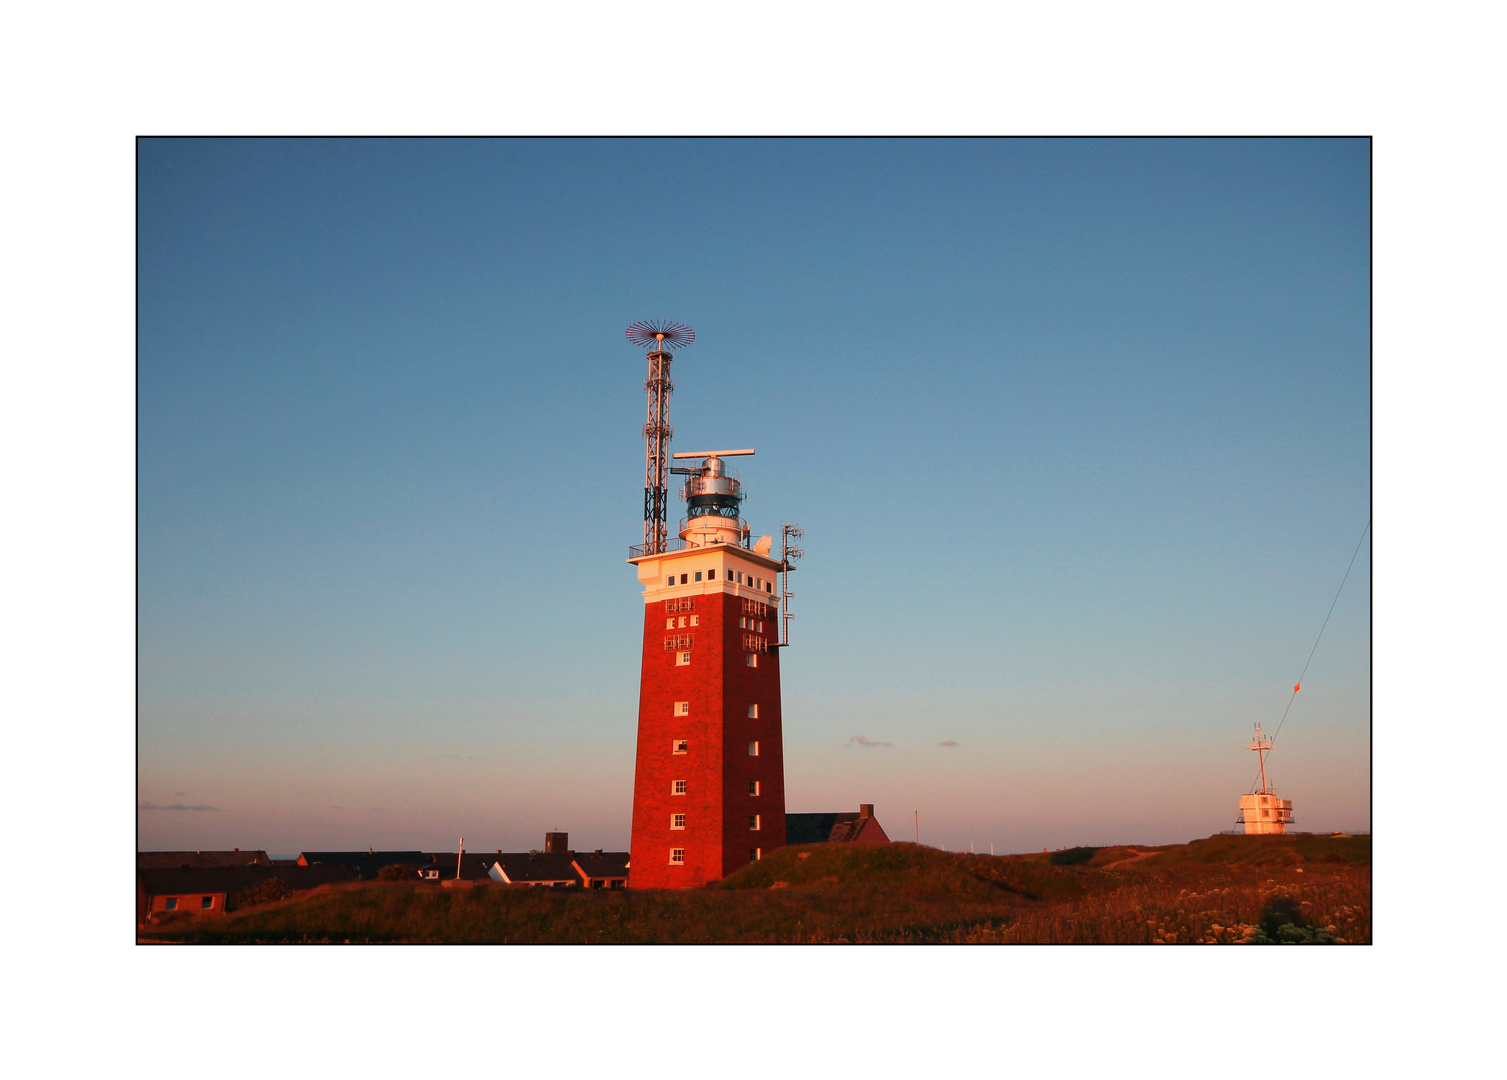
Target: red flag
(1296, 688)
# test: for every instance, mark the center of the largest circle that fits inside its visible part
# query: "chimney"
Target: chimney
(555, 843)
(865, 809)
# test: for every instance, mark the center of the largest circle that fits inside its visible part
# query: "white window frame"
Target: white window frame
(753, 787)
(695, 620)
(681, 784)
(680, 746)
(682, 708)
(677, 856)
(754, 823)
(683, 659)
(755, 854)
(670, 623)
(751, 659)
(753, 711)
(753, 747)
(681, 818)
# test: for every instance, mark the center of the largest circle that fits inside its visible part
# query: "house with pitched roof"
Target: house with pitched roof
(840, 828)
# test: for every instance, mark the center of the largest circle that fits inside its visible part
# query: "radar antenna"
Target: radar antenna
(658, 336)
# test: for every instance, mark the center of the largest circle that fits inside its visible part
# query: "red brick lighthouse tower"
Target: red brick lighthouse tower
(709, 780)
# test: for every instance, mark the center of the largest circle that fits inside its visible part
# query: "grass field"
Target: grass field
(1226, 889)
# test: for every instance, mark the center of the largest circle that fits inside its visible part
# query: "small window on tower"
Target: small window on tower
(682, 579)
(752, 659)
(759, 627)
(682, 708)
(698, 575)
(677, 856)
(769, 586)
(753, 712)
(742, 623)
(684, 659)
(678, 788)
(670, 580)
(681, 746)
(755, 854)
(669, 624)
(206, 902)
(682, 620)
(753, 748)
(753, 787)
(740, 577)
(695, 620)
(711, 575)
(753, 822)
(677, 821)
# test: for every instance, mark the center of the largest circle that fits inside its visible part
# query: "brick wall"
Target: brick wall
(719, 685)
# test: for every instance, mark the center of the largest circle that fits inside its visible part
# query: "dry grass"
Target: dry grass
(1220, 890)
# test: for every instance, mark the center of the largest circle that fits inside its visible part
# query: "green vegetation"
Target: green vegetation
(1226, 889)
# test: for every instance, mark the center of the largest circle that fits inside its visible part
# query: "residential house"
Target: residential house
(842, 828)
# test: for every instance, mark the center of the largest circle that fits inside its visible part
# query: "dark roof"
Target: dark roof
(813, 828)
(474, 866)
(366, 864)
(172, 860)
(532, 866)
(232, 879)
(843, 828)
(606, 864)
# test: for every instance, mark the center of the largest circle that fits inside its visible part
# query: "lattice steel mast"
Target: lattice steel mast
(658, 335)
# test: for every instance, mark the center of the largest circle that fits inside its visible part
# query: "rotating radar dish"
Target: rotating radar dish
(661, 334)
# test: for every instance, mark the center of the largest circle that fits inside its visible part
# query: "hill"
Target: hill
(1256, 889)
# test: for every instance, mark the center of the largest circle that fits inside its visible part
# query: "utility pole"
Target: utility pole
(458, 857)
(918, 828)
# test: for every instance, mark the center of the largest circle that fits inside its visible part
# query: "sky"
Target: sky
(1078, 430)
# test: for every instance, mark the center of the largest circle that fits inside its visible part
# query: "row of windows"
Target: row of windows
(677, 855)
(677, 821)
(679, 644)
(737, 576)
(683, 746)
(205, 903)
(683, 708)
(695, 620)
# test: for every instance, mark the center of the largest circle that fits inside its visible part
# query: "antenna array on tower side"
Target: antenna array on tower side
(789, 534)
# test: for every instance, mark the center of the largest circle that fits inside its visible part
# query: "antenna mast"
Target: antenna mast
(658, 335)
(1261, 744)
(789, 534)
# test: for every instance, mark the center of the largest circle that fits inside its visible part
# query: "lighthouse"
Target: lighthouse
(709, 775)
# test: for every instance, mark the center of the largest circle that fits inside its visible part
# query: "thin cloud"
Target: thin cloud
(864, 740)
(949, 742)
(178, 806)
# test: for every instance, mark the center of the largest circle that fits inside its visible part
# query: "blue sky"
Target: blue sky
(1078, 432)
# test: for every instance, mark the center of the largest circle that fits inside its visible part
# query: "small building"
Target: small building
(539, 868)
(602, 869)
(1261, 812)
(558, 867)
(215, 890)
(840, 828)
